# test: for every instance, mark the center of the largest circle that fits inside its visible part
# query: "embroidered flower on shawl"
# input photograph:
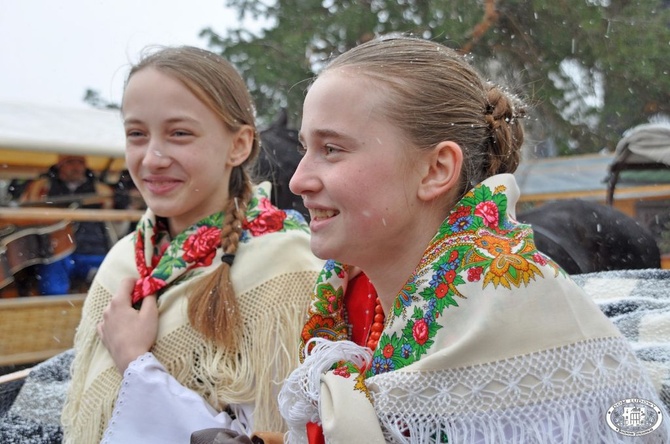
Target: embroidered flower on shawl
(197, 247)
(507, 267)
(460, 219)
(441, 290)
(475, 274)
(537, 257)
(270, 220)
(388, 350)
(420, 331)
(381, 364)
(145, 286)
(263, 218)
(140, 258)
(328, 299)
(488, 211)
(343, 371)
(331, 267)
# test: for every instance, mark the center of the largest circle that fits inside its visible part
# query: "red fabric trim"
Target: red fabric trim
(315, 433)
(359, 304)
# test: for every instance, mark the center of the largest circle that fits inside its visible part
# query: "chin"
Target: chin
(161, 210)
(320, 250)
(328, 253)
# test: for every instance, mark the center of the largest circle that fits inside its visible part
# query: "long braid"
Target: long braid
(212, 309)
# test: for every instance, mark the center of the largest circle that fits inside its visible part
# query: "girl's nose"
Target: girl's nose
(156, 155)
(304, 179)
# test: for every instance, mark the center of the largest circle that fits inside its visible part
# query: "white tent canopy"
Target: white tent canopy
(32, 136)
(61, 130)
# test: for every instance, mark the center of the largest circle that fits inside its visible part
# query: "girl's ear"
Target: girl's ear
(243, 142)
(444, 171)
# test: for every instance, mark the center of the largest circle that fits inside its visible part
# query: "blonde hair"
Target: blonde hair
(433, 94)
(212, 308)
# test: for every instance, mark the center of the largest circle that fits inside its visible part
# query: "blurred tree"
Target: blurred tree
(92, 97)
(590, 68)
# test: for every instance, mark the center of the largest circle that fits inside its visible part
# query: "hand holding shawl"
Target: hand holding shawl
(128, 333)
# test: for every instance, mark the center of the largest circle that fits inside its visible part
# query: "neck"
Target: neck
(389, 274)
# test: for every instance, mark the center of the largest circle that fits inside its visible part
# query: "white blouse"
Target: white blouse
(154, 407)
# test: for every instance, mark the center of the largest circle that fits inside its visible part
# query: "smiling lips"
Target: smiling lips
(317, 214)
(162, 185)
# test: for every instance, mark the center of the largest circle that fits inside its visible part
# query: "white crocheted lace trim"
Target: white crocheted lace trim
(558, 395)
(299, 397)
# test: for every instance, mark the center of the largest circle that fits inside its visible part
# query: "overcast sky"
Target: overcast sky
(51, 51)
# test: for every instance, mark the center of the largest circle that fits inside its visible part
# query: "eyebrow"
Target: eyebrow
(169, 121)
(328, 133)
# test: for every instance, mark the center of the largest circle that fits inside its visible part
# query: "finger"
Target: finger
(123, 295)
(149, 306)
(126, 287)
(100, 331)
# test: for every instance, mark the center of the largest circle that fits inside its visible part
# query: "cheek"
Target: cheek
(133, 162)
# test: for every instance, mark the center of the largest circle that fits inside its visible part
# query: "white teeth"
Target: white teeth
(322, 214)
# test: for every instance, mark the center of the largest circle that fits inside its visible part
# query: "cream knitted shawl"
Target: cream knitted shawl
(273, 275)
(488, 342)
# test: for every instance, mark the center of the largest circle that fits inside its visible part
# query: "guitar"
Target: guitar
(21, 247)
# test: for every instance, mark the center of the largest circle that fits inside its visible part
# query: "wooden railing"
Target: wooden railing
(36, 328)
(46, 214)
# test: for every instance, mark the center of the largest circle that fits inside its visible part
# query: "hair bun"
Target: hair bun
(506, 136)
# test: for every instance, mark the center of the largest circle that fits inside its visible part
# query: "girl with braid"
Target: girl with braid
(193, 319)
(435, 318)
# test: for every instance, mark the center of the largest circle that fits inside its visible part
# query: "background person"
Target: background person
(476, 336)
(71, 178)
(222, 276)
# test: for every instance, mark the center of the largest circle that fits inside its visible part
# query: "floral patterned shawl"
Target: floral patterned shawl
(273, 262)
(161, 260)
(488, 341)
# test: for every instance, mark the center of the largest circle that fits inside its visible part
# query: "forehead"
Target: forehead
(158, 96)
(341, 99)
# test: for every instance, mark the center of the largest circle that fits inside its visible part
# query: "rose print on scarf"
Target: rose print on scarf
(197, 247)
(488, 211)
(270, 220)
(171, 259)
(140, 258)
(145, 286)
(420, 331)
(264, 218)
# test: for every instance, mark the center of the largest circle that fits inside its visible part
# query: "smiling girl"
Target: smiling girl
(436, 319)
(192, 320)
